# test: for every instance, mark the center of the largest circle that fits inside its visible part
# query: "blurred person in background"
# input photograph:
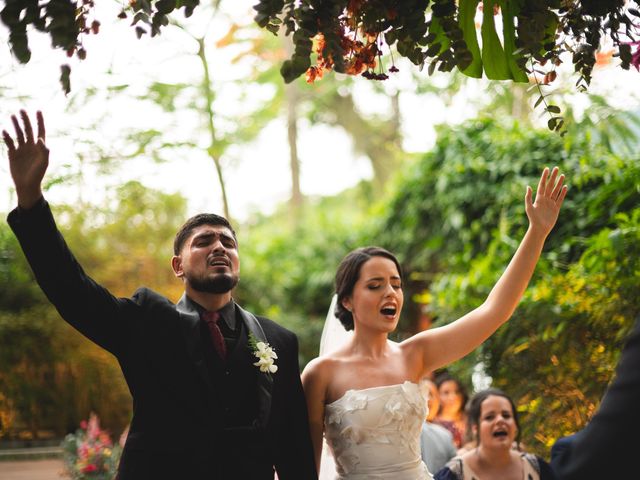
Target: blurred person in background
(451, 415)
(436, 442)
(495, 426)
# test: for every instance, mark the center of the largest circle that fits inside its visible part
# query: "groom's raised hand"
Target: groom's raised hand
(28, 158)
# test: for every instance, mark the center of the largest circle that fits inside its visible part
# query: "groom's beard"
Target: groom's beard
(221, 283)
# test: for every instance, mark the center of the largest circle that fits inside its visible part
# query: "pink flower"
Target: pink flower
(635, 57)
(84, 450)
(104, 439)
(93, 429)
(83, 424)
(90, 468)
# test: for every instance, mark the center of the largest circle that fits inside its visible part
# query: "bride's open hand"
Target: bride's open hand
(543, 212)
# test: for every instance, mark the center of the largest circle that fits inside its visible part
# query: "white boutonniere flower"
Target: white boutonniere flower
(265, 354)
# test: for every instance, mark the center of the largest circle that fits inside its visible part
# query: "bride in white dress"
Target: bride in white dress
(364, 397)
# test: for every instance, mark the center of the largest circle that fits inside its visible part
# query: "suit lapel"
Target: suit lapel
(265, 381)
(191, 331)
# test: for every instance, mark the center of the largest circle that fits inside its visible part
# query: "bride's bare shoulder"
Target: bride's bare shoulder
(324, 368)
(324, 363)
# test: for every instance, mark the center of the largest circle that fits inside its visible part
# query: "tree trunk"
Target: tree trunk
(209, 94)
(380, 140)
(292, 98)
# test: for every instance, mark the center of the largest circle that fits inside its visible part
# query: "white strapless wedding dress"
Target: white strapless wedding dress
(374, 433)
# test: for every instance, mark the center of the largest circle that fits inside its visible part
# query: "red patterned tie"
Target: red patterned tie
(216, 335)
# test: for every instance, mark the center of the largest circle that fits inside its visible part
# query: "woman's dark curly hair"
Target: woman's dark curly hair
(348, 274)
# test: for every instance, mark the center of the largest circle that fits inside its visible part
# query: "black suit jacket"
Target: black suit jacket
(608, 446)
(191, 419)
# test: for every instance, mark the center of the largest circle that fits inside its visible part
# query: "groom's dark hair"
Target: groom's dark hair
(348, 274)
(193, 223)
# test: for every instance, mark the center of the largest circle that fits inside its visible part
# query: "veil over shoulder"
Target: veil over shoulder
(333, 337)
(334, 334)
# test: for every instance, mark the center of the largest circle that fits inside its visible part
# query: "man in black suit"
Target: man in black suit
(607, 448)
(216, 390)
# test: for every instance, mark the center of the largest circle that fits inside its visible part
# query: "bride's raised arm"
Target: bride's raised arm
(443, 345)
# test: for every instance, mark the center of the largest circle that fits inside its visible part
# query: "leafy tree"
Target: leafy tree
(352, 37)
(332, 103)
(287, 270)
(572, 330)
(217, 130)
(67, 22)
(377, 136)
(456, 222)
(442, 33)
(51, 377)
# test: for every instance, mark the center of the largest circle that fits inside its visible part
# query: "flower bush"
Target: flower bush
(89, 453)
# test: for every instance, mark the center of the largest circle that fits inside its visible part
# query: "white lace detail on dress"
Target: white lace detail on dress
(374, 433)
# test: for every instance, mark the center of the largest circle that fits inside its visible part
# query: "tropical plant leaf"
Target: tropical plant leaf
(467, 22)
(494, 60)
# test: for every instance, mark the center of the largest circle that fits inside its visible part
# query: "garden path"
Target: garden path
(48, 469)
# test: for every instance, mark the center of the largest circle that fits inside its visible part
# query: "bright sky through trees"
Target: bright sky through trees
(257, 176)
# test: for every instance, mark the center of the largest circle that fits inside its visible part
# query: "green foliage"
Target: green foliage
(449, 201)
(445, 31)
(27, 357)
(50, 376)
(571, 327)
(287, 270)
(606, 128)
(66, 22)
(17, 291)
(455, 224)
(467, 19)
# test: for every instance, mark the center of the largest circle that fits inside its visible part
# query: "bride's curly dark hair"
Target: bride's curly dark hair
(348, 274)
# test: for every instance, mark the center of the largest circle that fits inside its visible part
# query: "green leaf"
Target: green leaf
(437, 36)
(509, 12)
(165, 6)
(286, 70)
(466, 20)
(262, 19)
(65, 80)
(494, 60)
(433, 50)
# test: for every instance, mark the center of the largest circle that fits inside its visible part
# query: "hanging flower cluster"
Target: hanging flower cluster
(360, 58)
(514, 39)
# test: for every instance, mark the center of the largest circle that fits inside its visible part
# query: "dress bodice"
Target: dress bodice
(374, 433)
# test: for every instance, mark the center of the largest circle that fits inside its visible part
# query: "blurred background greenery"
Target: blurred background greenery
(454, 215)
